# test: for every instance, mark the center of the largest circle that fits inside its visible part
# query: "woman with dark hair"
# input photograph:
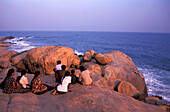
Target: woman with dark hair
(37, 86)
(64, 86)
(9, 85)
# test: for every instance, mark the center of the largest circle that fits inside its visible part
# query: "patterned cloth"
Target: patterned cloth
(8, 87)
(37, 86)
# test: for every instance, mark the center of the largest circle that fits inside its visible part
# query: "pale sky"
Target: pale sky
(85, 15)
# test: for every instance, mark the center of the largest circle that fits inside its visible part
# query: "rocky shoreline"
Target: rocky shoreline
(118, 85)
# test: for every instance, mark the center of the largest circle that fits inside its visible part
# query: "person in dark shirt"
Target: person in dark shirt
(73, 77)
(60, 73)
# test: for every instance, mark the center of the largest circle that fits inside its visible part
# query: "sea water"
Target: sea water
(149, 51)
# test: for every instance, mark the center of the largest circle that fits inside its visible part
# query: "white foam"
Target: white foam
(78, 53)
(18, 44)
(154, 85)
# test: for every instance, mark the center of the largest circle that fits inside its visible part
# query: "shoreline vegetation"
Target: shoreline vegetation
(118, 84)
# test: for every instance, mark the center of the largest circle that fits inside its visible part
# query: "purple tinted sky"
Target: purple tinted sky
(85, 15)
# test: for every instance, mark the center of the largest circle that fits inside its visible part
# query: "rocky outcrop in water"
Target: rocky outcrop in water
(5, 55)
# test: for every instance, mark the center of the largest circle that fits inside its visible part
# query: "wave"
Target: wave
(157, 82)
(19, 44)
(78, 53)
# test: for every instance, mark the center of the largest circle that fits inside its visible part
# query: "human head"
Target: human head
(58, 62)
(37, 73)
(82, 68)
(72, 71)
(63, 67)
(23, 72)
(11, 72)
(67, 73)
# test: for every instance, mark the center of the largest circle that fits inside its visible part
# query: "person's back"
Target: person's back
(85, 78)
(24, 81)
(61, 74)
(58, 66)
(64, 86)
(73, 77)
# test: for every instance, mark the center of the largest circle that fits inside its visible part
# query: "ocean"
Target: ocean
(149, 51)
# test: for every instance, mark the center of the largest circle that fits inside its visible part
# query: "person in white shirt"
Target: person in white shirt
(58, 66)
(64, 86)
(23, 80)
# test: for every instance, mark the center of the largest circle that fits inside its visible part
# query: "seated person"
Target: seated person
(73, 77)
(37, 86)
(64, 86)
(9, 85)
(60, 73)
(58, 66)
(23, 80)
(84, 76)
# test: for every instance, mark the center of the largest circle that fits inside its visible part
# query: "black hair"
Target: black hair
(73, 71)
(82, 68)
(23, 72)
(58, 62)
(10, 72)
(63, 67)
(35, 76)
(66, 74)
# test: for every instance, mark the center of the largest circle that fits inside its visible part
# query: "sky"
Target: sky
(85, 15)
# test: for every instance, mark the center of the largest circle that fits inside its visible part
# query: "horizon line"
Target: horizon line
(80, 31)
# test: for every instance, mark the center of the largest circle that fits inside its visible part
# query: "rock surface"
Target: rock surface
(4, 62)
(87, 56)
(45, 58)
(5, 55)
(123, 68)
(81, 99)
(18, 60)
(128, 89)
(103, 59)
(76, 61)
(6, 37)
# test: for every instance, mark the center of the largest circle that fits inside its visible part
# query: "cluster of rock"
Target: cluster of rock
(113, 70)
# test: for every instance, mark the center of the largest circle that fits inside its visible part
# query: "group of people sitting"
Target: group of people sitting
(65, 78)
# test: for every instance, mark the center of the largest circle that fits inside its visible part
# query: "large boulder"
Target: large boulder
(123, 68)
(45, 58)
(95, 70)
(6, 53)
(5, 57)
(87, 56)
(18, 60)
(128, 89)
(103, 59)
(4, 62)
(76, 61)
